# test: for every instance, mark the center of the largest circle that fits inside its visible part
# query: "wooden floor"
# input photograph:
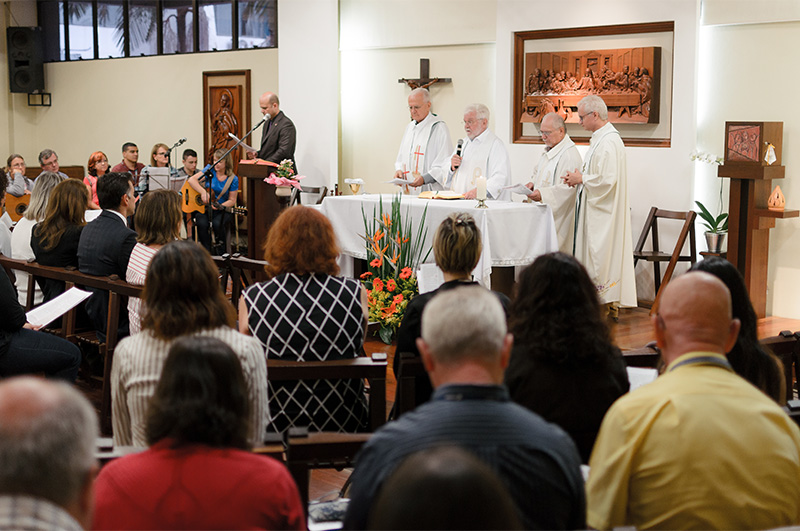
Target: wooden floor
(634, 330)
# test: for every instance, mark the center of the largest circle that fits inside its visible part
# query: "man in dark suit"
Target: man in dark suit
(278, 135)
(106, 244)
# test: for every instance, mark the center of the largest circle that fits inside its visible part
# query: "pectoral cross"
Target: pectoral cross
(424, 80)
(418, 154)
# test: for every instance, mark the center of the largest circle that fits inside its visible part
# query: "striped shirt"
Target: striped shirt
(136, 273)
(27, 512)
(136, 369)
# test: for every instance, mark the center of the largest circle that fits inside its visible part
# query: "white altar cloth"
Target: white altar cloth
(514, 234)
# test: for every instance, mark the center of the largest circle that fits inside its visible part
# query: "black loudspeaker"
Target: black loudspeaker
(25, 65)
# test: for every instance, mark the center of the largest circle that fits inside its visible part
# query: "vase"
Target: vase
(283, 190)
(715, 241)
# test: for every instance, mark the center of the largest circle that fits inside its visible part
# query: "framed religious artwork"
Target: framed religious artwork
(753, 143)
(629, 66)
(226, 111)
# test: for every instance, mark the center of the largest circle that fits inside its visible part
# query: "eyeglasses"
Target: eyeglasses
(162, 154)
(582, 116)
(546, 133)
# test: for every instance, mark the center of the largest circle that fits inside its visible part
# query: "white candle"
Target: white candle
(480, 194)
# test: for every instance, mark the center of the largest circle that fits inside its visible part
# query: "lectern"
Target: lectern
(752, 161)
(262, 204)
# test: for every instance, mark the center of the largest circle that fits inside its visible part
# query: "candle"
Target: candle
(481, 191)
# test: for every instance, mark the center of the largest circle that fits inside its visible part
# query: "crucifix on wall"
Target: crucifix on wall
(424, 80)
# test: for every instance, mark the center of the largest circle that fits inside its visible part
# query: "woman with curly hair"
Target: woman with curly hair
(563, 365)
(97, 167)
(305, 312)
(749, 359)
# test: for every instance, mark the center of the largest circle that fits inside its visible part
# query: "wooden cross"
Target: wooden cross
(418, 153)
(424, 80)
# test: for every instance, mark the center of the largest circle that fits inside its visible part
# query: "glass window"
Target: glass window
(81, 31)
(178, 26)
(143, 27)
(258, 22)
(109, 29)
(216, 25)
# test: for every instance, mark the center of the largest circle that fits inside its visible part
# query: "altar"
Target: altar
(514, 234)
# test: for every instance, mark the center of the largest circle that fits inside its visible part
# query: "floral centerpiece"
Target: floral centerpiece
(284, 176)
(394, 252)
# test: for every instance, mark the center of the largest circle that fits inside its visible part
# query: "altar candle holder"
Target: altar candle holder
(481, 204)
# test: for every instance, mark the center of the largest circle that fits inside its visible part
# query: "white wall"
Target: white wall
(746, 72)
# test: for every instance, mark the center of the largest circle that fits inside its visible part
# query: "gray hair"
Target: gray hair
(426, 96)
(481, 111)
(465, 323)
(46, 154)
(40, 195)
(47, 439)
(558, 121)
(594, 103)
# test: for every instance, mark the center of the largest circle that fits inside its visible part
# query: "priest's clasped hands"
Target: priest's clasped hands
(573, 178)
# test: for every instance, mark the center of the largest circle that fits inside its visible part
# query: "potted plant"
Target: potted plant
(717, 228)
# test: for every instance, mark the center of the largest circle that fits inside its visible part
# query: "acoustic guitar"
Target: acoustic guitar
(191, 201)
(16, 206)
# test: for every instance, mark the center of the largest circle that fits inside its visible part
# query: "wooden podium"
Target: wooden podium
(746, 146)
(262, 204)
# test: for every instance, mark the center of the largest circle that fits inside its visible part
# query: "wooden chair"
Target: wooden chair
(786, 345)
(657, 256)
(409, 368)
(321, 190)
(648, 356)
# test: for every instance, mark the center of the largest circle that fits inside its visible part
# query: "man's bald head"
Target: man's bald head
(694, 314)
(269, 104)
(553, 129)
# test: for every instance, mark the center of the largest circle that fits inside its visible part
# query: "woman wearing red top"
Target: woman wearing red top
(98, 166)
(198, 472)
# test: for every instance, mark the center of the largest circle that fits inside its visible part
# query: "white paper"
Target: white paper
(429, 277)
(399, 182)
(251, 149)
(520, 189)
(52, 310)
(639, 376)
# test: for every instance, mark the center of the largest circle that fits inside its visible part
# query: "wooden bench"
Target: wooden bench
(117, 290)
(786, 347)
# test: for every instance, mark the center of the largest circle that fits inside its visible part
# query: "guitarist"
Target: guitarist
(219, 198)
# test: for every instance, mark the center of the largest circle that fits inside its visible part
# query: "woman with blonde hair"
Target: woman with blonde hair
(306, 312)
(55, 240)
(224, 190)
(158, 221)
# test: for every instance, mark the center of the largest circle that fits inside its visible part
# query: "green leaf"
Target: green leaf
(386, 334)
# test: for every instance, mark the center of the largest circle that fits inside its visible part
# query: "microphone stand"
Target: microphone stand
(169, 158)
(207, 175)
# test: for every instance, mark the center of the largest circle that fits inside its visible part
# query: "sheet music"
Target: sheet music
(639, 376)
(52, 310)
(518, 189)
(398, 182)
(251, 149)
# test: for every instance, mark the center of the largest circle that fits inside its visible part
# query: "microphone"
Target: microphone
(182, 141)
(265, 118)
(458, 149)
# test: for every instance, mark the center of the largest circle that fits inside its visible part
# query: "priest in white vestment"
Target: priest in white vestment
(424, 153)
(482, 154)
(559, 157)
(603, 242)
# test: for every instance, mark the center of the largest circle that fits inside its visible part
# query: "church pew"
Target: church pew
(408, 369)
(786, 346)
(117, 290)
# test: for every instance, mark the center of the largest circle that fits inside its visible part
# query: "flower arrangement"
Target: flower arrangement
(393, 254)
(284, 175)
(709, 158)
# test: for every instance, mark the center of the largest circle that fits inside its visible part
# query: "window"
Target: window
(102, 29)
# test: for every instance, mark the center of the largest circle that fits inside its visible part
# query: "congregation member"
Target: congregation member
(278, 136)
(699, 448)
(535, 460)
(457, 249)
(26, 350)
(55, 239)
(96, 167)
(106, 243)
(602, 239)
(18, 183)
(21, 237)
(219, 197)
(47, 464)
(130, 164)
(5, 229)
(564, 365)
(158, 222)
(444, 487)
(560, 155)
(198, 472)
(182, 297)
(48, 160)
(159, 158)
(425, 147)
(748, 357)
(482, 153)
(306, 312)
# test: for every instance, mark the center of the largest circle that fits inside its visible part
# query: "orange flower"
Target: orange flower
(377, 285)
(390, 310)
(391, 285)
(394, 259)
(376, 263)
(387, 220)
(378, 235)
(405, 273)
(398, 298)
(365, 276)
